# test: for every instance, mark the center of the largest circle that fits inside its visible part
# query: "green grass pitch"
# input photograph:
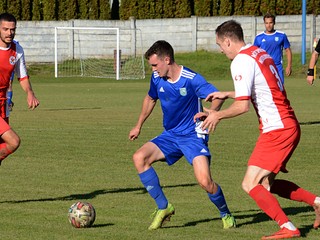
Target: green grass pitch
(75, 147)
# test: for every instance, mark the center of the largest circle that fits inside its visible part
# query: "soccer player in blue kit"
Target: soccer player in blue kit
(180, 91)
(274, 41)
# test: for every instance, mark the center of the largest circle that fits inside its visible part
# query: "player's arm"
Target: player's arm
(220, 95)
(312, 64)
(22, 75)
(147, 108)
(289, 61)
(216, 104)
(238, 107)
(216, 99)
(33, 102)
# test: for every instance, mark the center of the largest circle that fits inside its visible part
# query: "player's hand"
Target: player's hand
(10, 106)
(310, 79)
(288, 71)
(33, 102)
(134, 133)
(211, 119)
(216, 95)
(201, 116)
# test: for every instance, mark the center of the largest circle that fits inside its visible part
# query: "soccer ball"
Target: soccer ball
(81, 215)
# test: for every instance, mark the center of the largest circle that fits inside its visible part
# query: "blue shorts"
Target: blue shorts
(175, 146)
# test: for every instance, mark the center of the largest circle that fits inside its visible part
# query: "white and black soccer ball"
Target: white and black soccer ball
(81, 215)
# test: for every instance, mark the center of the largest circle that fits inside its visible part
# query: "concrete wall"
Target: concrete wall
(185, 35)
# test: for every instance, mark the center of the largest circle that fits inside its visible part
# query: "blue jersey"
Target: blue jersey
(180, 100)
(273, 43)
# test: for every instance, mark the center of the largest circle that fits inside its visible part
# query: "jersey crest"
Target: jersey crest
(12, 60)
(183, 92)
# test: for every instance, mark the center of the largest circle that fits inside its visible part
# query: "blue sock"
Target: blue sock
(220, 202)
(151, 182)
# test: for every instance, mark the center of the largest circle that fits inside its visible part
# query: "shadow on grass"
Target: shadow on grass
(91, 195)
(257, 216)
(310, 123)
(102, 225)
(243, 218)
(69, 109)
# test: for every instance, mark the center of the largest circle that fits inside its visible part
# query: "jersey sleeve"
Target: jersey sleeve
(20, 67)
(242, 71)
(202, 87)
(286, 43)
(256, 42)
(153, 93)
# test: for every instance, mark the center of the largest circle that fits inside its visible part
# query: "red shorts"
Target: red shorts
(273, 149)
(4, 126)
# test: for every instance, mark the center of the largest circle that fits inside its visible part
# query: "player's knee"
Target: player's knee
(136, 157)
(245, 186)
(14, 143)
(139, 160)
(206, 184)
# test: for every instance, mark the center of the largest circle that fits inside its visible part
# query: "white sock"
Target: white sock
(317, 200)
(289, 226)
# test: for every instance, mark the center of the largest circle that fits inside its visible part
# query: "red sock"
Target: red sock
(269, 204)
(290, 190)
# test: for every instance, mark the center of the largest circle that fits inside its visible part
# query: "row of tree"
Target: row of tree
(38, 10)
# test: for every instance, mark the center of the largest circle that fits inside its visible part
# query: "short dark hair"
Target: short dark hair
(162, 49)
(231, 29)
(269, 15)
(8, 17)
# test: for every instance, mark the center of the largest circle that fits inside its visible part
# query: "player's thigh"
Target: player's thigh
(148, 153)
(193, 146)
(11, 138)
(201, 169)
(254, 176)
(168, 143)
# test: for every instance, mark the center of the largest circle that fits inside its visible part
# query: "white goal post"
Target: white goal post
(96, 52)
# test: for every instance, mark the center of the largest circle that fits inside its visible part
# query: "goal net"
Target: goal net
(98, 52)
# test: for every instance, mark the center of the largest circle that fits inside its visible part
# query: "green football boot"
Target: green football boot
(160, 216)
(228, 221)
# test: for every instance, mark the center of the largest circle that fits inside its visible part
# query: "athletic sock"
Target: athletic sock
(290, 190)
(269, 204)
(150, 181)
(220, 202)
(289, 225)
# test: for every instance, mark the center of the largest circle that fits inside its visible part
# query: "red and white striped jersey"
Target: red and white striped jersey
(11, 59)
(256, 78)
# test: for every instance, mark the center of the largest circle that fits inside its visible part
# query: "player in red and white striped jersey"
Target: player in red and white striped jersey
(12, 60)
(256, 79)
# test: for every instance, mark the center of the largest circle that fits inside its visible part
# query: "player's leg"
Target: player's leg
(203, 175)
(10, 141)
(143, 159)
(256, 183)
(270, 156)
(290, 190)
